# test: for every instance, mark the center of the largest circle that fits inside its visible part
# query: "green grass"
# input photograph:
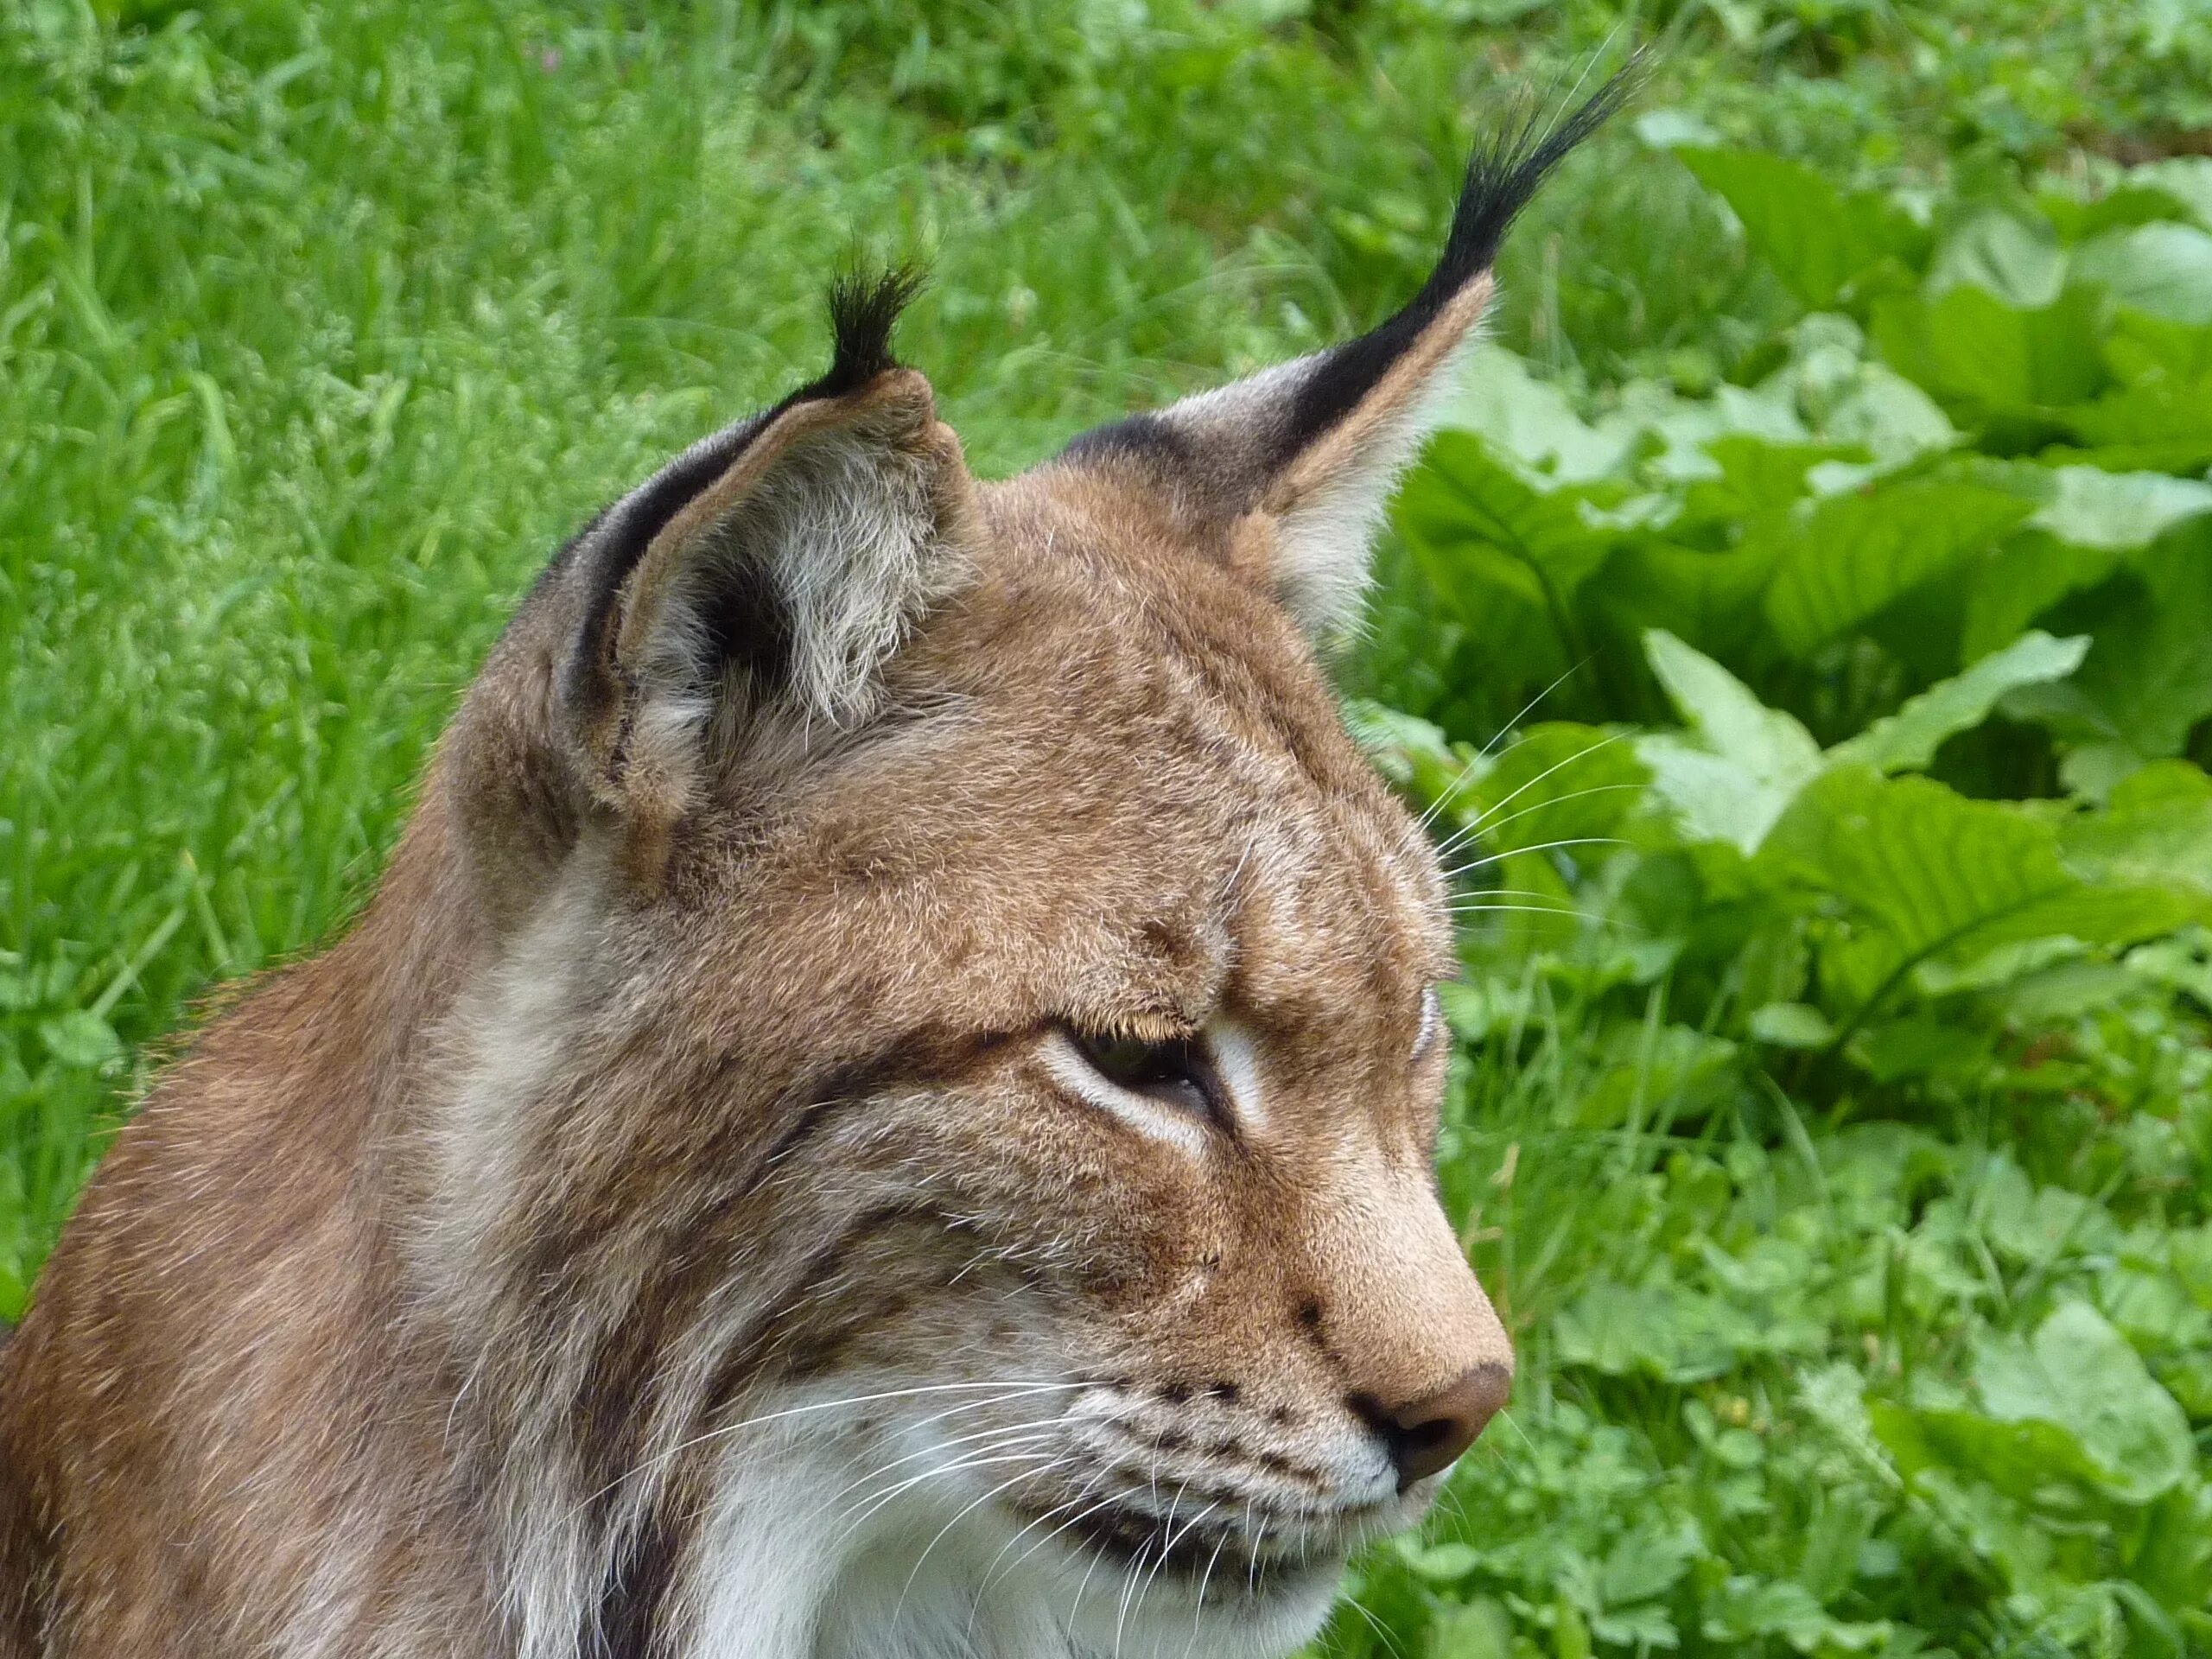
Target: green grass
(321, 325)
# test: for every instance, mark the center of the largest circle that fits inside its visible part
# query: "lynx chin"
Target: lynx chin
(882, 1109)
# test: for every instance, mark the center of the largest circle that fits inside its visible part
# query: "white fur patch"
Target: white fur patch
(805, 1560)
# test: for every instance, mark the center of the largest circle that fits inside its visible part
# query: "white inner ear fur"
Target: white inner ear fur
(840, 531)
(1328, 508)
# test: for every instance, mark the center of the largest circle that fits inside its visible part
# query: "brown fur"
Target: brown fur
(694, 1059)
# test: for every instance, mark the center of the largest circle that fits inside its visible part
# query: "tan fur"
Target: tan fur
(486, 1286)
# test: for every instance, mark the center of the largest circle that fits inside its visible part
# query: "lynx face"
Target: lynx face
(884, 1107)
(1023, 1114)
(945, 1162)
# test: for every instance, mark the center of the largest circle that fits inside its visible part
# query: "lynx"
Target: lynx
(882, 1108)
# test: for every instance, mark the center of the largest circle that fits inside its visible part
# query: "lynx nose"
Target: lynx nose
(1427, 1435)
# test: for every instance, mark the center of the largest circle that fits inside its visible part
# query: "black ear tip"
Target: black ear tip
(1504, 174)
(864, 308)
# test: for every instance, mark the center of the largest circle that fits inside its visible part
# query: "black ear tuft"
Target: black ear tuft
(864, 307)
(1503, 174)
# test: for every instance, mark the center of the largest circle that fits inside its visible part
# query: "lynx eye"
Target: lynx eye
(1176, 1073)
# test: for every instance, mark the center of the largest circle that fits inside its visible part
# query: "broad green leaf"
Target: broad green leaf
(1411, 753)
(2089, 506)
(1731, 774)
(2031, 572)
(1907, 740)
(2160, 414)
(80, 1038)
(1791, 1024)
(1506, 557)
(1928, 874)
(1530, 419)
(2017, 260)
(1444, 1563)
(2157, 826)
(1974, 351)
(1558, 783)
(2185, 180)
(2149, 676)
(1661, 1332)
(1648, 1560)
(1745, 1609)
(2021, 1459)
(1818, 239)
(2081, 1375)
(1481, 1628)
(1712, 596)
(1851, 555)
(2163, 269)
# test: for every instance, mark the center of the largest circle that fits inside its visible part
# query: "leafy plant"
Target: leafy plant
(1836, 950)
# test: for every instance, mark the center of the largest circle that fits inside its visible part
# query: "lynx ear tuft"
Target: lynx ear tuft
(770, 570)
(1294, 468)
(864, 308)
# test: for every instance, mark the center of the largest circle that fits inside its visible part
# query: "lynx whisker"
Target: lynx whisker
(961, 1515)
(1489, 859)
(1476, 825)
(1467, 772)
(1492, 827)
(1036, 1429)
(1198, 1611)
(660, 1459)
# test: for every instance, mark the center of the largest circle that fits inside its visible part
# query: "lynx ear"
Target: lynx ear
(770, 570)
(1288, 471)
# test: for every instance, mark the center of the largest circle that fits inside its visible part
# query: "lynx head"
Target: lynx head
(937, 1156)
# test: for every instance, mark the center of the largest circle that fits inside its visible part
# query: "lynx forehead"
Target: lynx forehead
(883, 1107)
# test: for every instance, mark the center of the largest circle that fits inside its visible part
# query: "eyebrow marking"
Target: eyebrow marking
(1431, 1017)
(1236, 1063)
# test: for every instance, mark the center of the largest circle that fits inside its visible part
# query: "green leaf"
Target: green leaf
(1791, 1024)
(1648, 1560)
(2081, 1375)
(1531, 421)
(1740, 763)
(1559, 783)
(1658, 1331)
(1851, 555)
(1504, 555)
(1441, 1563)
(1818, 239)
(2157, 827)
(2148, 678)
(1478, 1629)
(1975, 352)
(1745, 1609)
(2017, 260)
(2089, 506)
(1909, 738)
(80, 1038)
(2024, 578)
(2163, 269)
(1925, 874)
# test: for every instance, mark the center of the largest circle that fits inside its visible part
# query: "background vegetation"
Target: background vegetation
(1806, 637)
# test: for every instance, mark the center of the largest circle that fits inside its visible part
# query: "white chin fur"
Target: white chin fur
(935, 1574)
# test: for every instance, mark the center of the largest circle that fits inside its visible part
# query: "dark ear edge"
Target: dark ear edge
(1503, 176)
(864, 309)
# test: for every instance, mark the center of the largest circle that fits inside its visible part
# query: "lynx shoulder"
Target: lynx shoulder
(883, 1105)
